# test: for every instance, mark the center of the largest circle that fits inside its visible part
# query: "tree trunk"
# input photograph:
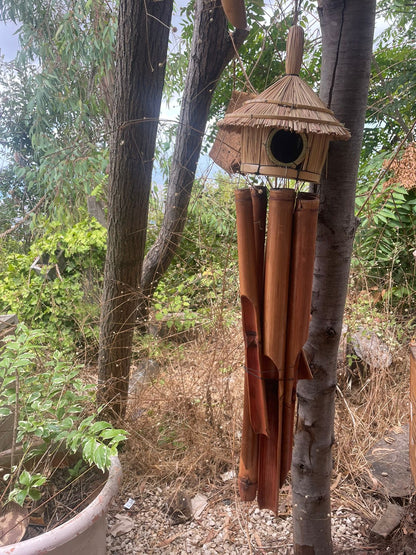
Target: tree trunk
(211, 50)
(347, 36)
(141, 50)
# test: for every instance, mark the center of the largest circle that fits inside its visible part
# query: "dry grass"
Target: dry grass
(365, 414)
(184, 421)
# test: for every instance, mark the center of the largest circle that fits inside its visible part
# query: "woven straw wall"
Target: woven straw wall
(255, 159)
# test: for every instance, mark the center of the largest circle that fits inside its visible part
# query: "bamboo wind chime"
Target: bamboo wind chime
(275, 288)
(283, 132)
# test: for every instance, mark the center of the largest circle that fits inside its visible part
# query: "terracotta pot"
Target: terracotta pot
(83, 534)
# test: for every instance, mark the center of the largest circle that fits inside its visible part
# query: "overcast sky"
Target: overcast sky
(8, 40)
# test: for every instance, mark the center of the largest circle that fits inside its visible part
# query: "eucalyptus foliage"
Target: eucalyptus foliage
(54, 125)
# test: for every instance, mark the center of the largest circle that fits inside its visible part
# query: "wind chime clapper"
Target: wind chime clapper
(283, 132)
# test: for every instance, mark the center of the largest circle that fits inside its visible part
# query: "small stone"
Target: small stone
(389, 521)
(178, 507)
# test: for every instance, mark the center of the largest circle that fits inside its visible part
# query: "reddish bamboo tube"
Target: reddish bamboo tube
(251, 311)
(248, 470)
(276, 287)
(300, 295)
(259, 203)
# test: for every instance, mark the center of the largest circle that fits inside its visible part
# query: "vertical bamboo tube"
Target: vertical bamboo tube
(259, 203)
(251, 313)
(248, 469)
(277, 268)
(276, 287)
(300, 295)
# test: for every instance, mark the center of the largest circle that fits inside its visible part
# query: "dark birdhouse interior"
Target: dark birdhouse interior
(286, 148)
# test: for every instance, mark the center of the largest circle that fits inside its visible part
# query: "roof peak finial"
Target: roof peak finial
(294, 50)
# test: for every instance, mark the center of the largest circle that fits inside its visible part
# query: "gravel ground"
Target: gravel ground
(220, 524)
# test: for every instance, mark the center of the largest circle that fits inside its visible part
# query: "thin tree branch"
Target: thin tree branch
(24, 219)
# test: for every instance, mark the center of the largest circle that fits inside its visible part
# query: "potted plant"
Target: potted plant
(55, 426)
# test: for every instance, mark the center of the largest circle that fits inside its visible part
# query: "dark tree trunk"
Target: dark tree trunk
(141, 55)
(347, 37)
(142, 42)
(211, 50)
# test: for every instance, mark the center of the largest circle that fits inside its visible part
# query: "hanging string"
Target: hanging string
(296, 12)
(234, 76)
(237, 58)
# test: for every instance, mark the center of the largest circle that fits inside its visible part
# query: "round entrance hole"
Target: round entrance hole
(286, 148)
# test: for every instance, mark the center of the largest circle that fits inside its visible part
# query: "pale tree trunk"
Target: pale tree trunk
(211, 49)
(347, 38)
(141, 50)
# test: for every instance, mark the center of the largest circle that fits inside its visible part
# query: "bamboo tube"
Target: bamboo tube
(300, 295)
(412, 429)
(277, 267)
(248, 470)
(279, 237)
(250, 307)
(259, 203)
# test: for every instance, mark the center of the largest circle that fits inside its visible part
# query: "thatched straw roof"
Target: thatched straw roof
(289, 103)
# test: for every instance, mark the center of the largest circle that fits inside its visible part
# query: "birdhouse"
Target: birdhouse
(285, 130)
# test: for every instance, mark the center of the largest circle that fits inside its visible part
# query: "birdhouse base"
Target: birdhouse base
(281, 171)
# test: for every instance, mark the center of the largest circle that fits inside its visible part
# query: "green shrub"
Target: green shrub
(385, 240)
(66, 308)
(54, 410)
(204, 273)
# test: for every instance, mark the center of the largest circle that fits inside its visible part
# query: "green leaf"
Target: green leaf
(25, 478)
(99, 426)
(34, 494)
(101, 458)
(88, 449)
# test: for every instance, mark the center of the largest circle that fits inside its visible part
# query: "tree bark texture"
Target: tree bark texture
(141, 50)
(211, 49)
(347, 38)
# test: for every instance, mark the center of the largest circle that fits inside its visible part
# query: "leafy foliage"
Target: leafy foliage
(66, 307)
(385, 239)
(203, 272)
(54, 125)
(51, 402)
